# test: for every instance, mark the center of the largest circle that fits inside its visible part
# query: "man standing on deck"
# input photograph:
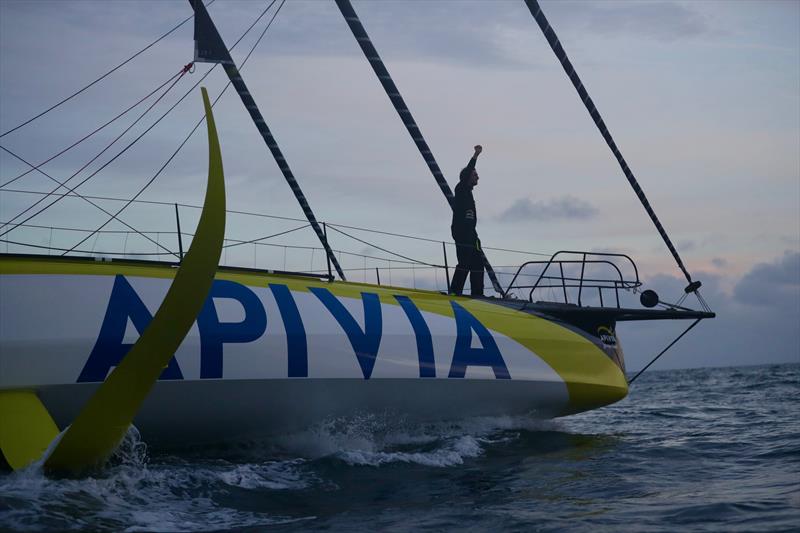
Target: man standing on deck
(465, 218)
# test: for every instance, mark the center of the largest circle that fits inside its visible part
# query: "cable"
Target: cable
(183, 71)
(76, 143)
(98, 155)
(697, 321)
(73, 95)
(275, 217)
(177, 150)
(387, 251)
(91, 252)
(255, 241)
(86, 200)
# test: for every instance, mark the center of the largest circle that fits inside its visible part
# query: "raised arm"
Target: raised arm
(471, 165)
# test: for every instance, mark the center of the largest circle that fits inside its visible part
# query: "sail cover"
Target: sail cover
(208, 46)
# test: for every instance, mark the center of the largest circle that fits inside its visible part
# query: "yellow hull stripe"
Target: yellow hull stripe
(26, 428)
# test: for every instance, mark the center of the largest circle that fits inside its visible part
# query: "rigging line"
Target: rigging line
(88, 201)
(95, 252)
(414, 237)
(88, 252)
(237, 241)
(98, 155)
(416, 268)
(387, 251)
(664, 350)
(354, 254)
(180, 74)
(101, 127)
(425, 239)
(276, 217)
(389, 233)
(264, 12)
(296, 247)
(552, 39)
(76, 143)
(267, 237)
(177, 150)
(73, 95)
(207, 37)
(371, 53)
(109, 231)
(155, 202)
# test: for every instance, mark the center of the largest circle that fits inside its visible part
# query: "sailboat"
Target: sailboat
(268, 352)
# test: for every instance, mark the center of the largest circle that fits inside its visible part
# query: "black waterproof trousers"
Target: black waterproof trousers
(469, 260)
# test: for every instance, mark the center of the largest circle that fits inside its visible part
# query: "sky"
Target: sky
(702, 97)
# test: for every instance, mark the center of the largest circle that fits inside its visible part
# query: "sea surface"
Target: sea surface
(689, 450)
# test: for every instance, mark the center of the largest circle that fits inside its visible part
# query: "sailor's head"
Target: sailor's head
(470, 178)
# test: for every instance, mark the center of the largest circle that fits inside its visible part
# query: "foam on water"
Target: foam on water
(452, 454)
(172, 494)
(134, 495)
(709, 449)
(374, 439)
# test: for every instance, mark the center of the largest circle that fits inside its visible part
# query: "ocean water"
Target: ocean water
(689, 450)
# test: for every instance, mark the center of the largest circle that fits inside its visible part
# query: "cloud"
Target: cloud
(719, 262)
(771, 284)
(557, 208)
(489, 34)
(661, 21)
(405, 31)
(756, 324)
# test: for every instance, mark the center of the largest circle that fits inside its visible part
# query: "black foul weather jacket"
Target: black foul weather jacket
(465, 217)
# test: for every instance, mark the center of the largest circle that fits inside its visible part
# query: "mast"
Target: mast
(405, 115)
(210, 48)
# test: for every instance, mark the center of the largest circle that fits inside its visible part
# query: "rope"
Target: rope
(177, 150)
(234, 75)
(76, 143)
(79, 91)
(97, 156)
(90, 252)
(260, 215)
(552, 39)
(86, 200)
(415, 261)
(665, 350)
(256, 241)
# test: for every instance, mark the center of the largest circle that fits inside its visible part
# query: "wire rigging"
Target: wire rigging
(85, 137)
(179, 75)
(261, 215)
(101, 208)
(258, 240)
(417, 261)
(213, 50)
(90, 176)
(102, 77)
(197, 125)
